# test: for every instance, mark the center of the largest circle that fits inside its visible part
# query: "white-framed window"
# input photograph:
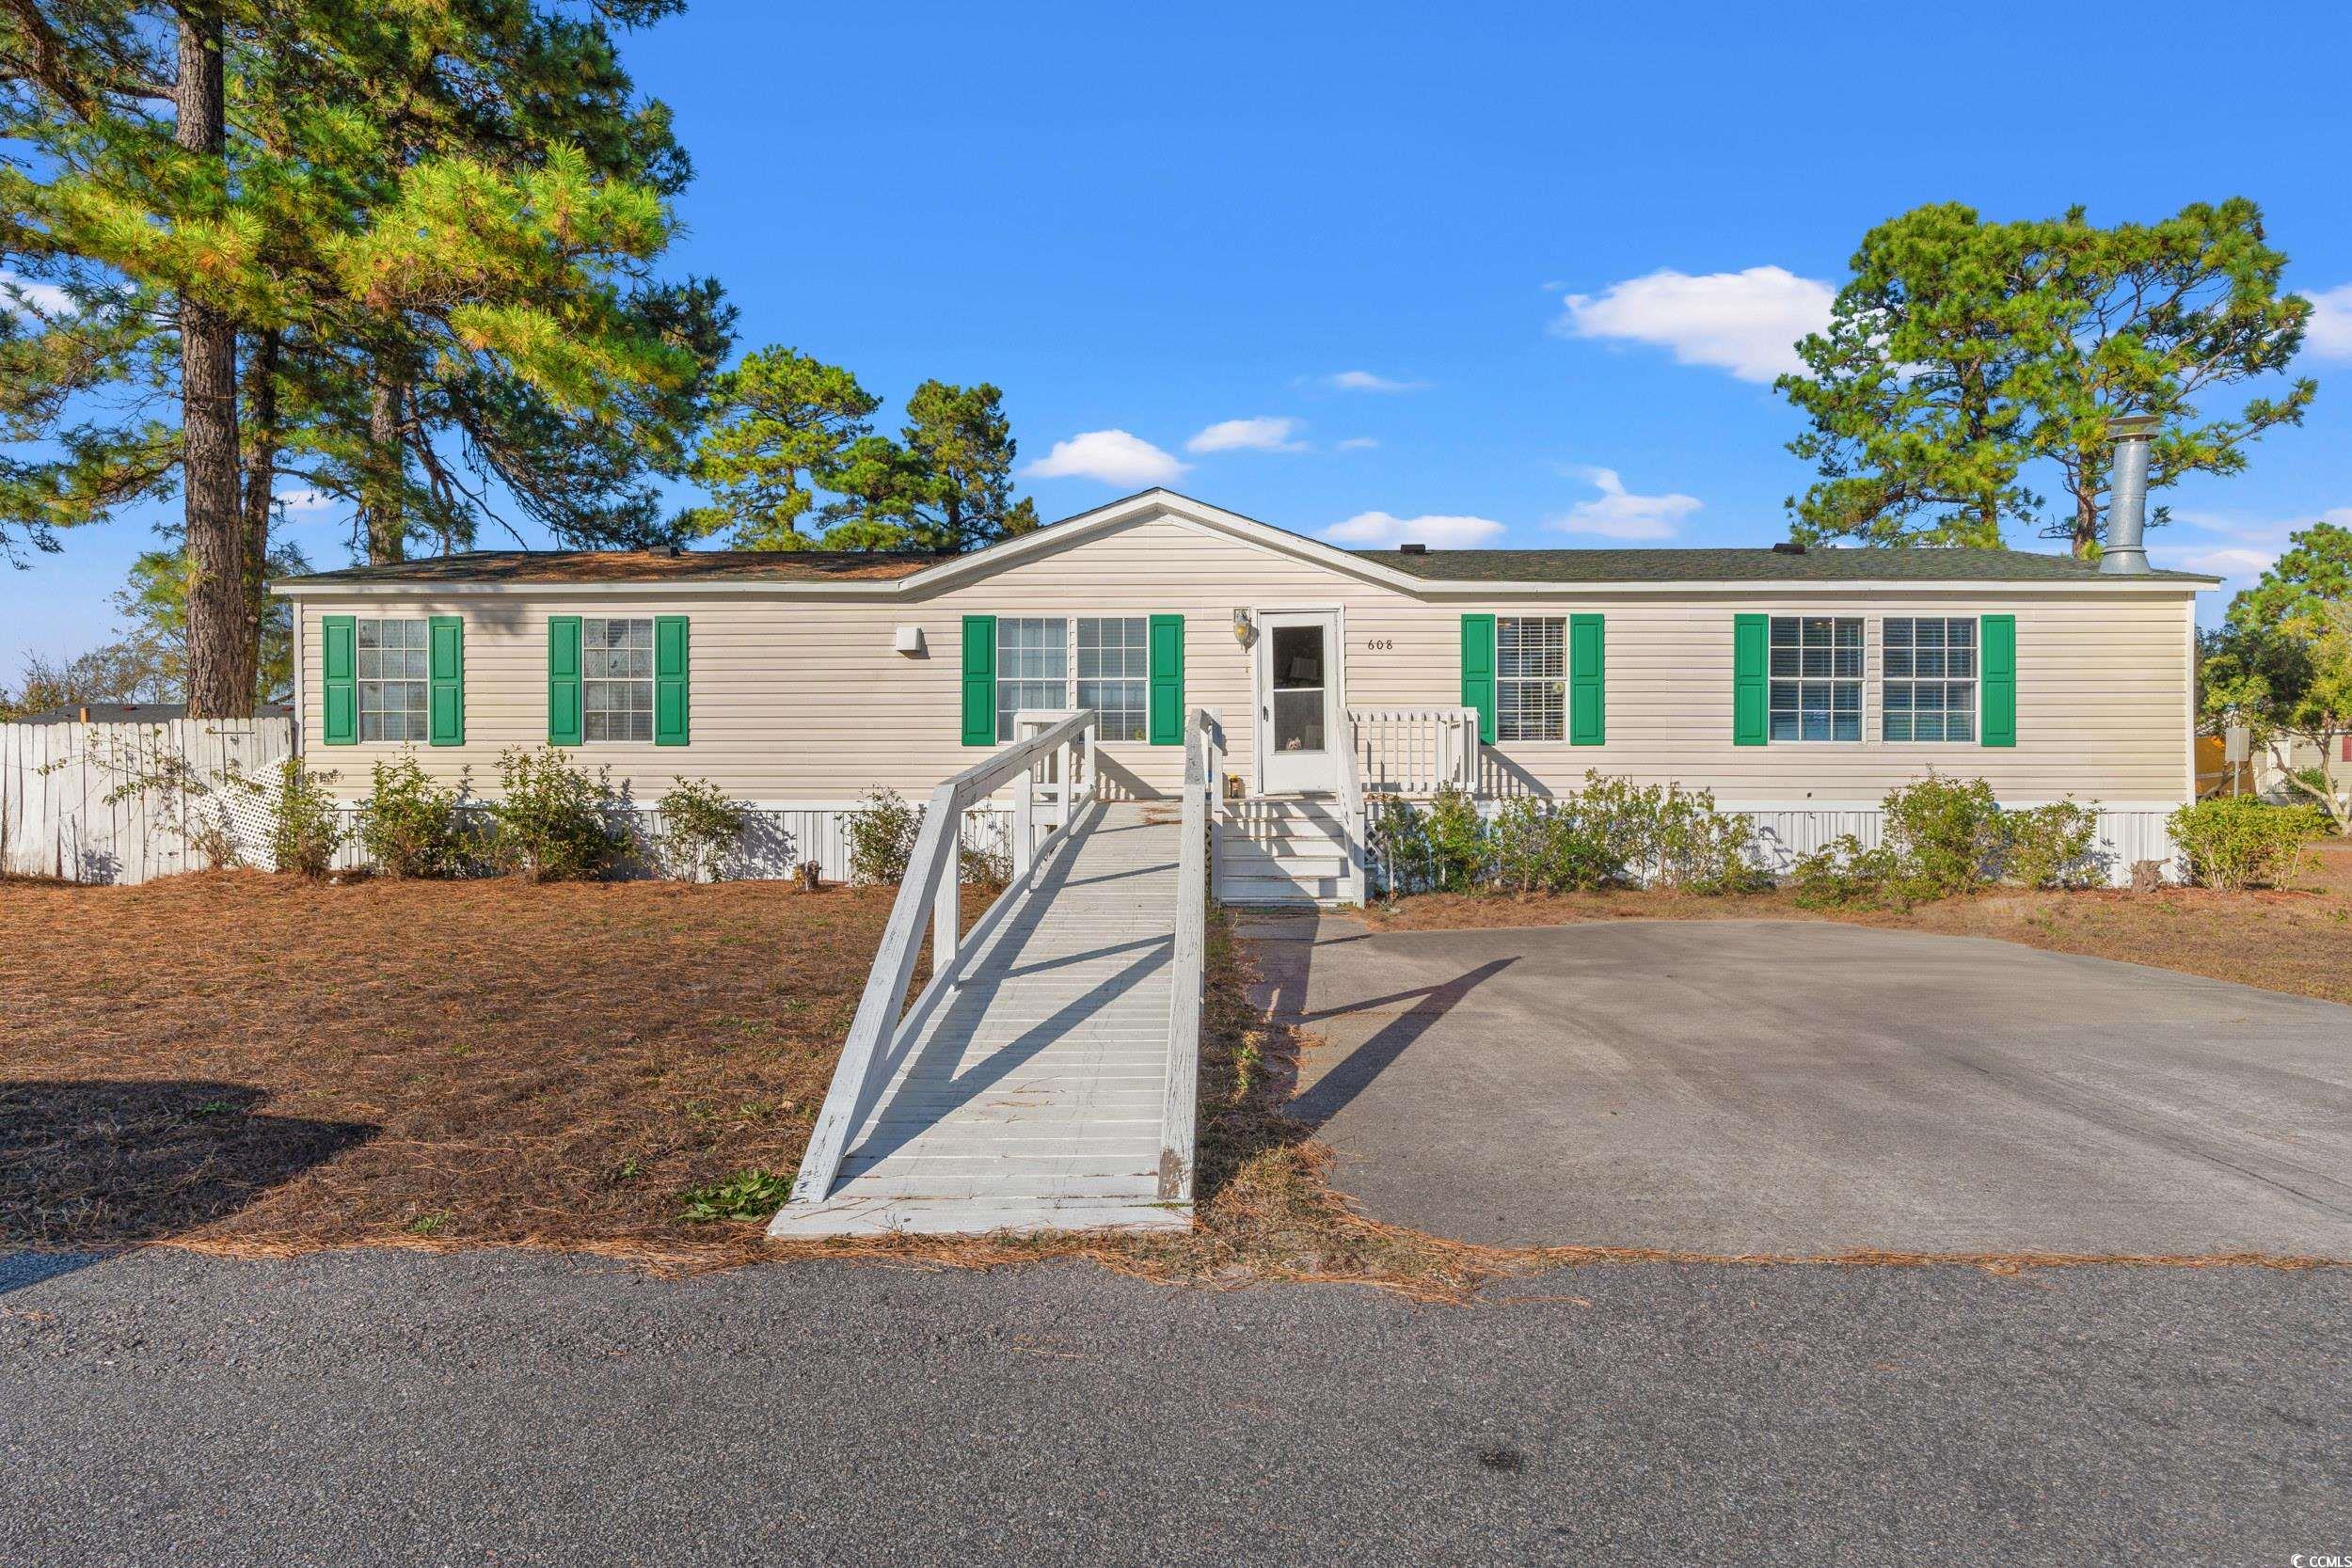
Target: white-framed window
(1816, 677)
(1032, 666)
(1929, 685)
(616, 679)
(1110, 656)
(1114, 673)
(1530, 677)
(393, 672)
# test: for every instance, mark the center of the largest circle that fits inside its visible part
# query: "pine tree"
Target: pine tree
(1964, 357)
(790, 428)
(784, 424)
(403, 252)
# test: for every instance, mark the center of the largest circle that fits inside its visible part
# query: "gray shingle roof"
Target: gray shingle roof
(1748, 565)
(565, 566)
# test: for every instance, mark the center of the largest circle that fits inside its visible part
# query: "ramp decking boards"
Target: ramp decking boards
(1031, 1098)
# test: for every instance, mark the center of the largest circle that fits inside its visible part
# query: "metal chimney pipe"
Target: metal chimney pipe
(2126, 552)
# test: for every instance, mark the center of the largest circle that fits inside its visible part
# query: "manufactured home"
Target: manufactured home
(1799, 686)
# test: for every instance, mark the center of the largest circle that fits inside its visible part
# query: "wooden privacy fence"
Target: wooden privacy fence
(128, 802)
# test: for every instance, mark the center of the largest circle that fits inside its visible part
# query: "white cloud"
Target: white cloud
(2226, 562)
(1380, 527)
(47, 298)
(1264, 434)
(1364, 381)
(1113, 456)
(2240, 550)
(1746, 322)
(2330, 335)
(1615, 515)
(1357, 443)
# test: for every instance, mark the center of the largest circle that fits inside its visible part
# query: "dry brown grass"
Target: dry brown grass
(2294, 939)
(239, 1055)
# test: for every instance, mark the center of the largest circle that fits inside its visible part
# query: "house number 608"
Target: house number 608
(1381, 644)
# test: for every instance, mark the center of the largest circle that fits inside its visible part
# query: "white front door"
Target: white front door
(1298, 703)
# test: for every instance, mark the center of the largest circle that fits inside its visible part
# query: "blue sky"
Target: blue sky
(1328, 265)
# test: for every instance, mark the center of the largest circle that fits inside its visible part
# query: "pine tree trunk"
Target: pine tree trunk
(223, 639)
(380, 497)
(2085, 523)
(260, 429)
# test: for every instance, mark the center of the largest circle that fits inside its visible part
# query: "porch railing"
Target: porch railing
(1415, 751)
(884, 1026)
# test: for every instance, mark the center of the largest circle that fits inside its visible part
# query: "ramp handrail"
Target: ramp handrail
(1204, 752)
(1354, 826)
(931, 886)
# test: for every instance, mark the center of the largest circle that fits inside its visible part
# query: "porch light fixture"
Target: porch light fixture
(1245, 633)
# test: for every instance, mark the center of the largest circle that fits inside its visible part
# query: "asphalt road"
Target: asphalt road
(1805, 1088)
(387, 1408)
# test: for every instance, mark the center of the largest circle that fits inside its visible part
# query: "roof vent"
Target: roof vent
(1789, 546)
(1412, 549)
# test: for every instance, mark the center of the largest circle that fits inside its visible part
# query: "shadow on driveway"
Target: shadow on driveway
(1806, 1088)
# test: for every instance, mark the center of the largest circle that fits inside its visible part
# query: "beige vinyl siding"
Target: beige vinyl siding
(803, 699)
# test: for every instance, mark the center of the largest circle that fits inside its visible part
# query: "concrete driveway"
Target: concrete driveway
(1785, 1087)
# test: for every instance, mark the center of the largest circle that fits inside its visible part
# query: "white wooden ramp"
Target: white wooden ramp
(1032, 1095)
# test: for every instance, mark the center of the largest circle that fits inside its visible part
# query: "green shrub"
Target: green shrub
(1943, 837)
(986, 865)
(748, 1195)
(700, 827)
(1397, 841)
(553, 822)
(1521, 842)
(2050, 846)
(307, 829)
(1842, 874)
(1675, 838)
(1612, 834)
(1457, 851)
(881, 838)
(410, 826)
(1946, 833)
(2243, 843)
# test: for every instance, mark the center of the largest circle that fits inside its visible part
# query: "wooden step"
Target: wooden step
(1320, 891)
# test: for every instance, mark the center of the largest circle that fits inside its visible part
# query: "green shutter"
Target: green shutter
(669, 680)
(339, 664)
(563, 680)
(1167, 680)
(446, 665)
(1751, 679)
(1478, 672)
(979, 680)
(1588, 665)
(1996, 651)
